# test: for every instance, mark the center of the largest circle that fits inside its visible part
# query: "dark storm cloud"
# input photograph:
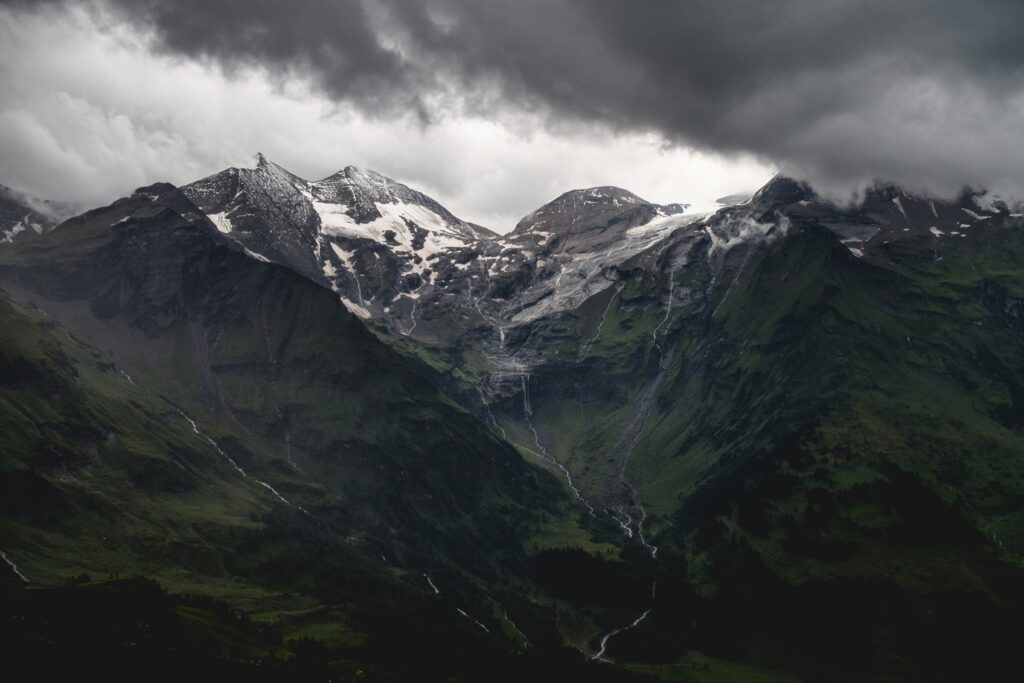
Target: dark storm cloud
(928, 92)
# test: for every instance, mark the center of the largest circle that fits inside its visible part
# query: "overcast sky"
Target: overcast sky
(496, 106)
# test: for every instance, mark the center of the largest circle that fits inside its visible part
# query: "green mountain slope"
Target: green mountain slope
(175, 408)
(798, 427)
(827, 445)
(813, 414)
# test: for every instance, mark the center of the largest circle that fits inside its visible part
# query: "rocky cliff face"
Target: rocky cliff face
(578, 300)
(399, 258)
(372, 240)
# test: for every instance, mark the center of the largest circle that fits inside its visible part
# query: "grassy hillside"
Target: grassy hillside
(835, 462)
(177, 409)
(829, 447)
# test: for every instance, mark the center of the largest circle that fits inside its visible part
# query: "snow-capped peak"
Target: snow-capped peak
(383, 226)
(600, 208)
(386, 248)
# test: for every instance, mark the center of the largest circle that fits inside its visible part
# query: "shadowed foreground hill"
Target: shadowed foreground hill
(175, 408)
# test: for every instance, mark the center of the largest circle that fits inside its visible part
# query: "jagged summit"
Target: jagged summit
(353, 171)
(382, 245)
(357, 174)
(356, 192)
(353, 221)
(268, 166)
(392, 253)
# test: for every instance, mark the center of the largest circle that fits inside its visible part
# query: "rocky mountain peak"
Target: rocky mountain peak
(608, 194)
(357, 173)
(585, 209)
(365, 235)
(782, 190)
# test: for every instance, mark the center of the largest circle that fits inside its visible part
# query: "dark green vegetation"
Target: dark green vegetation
(827, 445)
(319, 486)
(851, 438)
(131, 629)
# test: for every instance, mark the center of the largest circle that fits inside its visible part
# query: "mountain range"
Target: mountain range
(350, 434)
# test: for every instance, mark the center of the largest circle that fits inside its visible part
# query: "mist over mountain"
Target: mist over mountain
(22, 215)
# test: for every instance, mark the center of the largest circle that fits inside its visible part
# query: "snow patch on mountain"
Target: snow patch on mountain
(222, 222)
(334, 218)
(258, 257)
(581, 275)
(395, 227)
(347, 257)
(355, 308)
(389, 243)
(975, 215)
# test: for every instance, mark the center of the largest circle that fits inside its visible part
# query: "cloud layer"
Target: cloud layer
(927, 93)
(90, 113)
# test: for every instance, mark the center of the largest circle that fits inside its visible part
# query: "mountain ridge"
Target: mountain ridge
(785, 433)
(176, 407)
